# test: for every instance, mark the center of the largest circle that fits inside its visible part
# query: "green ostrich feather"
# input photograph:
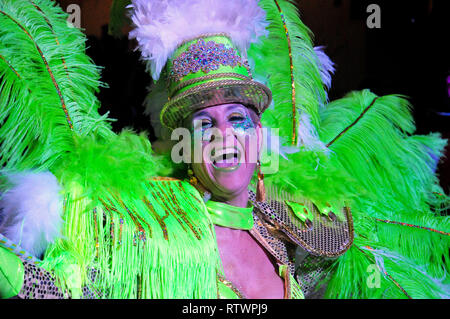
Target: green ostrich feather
(306, 174)
(119, 162)
(48, 85)
(293, 80)
(398, 226)
(371, 138)
(373, 268)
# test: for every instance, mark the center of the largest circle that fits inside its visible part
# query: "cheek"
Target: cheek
(249, 145)
(244, 128)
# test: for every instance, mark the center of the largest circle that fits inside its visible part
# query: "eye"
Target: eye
(236, 117)
(206, 124)
(201, 124)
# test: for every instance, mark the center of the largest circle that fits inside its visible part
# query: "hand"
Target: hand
(11, 274)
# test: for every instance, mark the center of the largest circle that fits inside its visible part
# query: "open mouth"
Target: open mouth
(226, 159)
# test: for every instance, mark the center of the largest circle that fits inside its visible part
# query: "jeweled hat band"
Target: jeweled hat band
(209, 71)
(205, 59)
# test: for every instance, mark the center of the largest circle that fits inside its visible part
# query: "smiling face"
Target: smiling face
(230, 143)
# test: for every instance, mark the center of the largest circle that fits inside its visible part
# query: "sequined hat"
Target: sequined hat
(199, 49)
(209, 71)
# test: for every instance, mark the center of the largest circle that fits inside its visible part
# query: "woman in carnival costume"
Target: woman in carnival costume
(353, 210)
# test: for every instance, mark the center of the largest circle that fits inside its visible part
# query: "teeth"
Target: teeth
(224, 154)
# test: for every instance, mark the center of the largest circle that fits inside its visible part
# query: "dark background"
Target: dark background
(407, 55)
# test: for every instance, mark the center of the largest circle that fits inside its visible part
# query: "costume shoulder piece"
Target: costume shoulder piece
(327, 235)
(304, 237)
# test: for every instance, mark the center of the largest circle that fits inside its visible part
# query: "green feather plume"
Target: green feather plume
(48, 85)
(398, 225)
(371, 138)
(374, 165)
(119, 162)
(272, 63)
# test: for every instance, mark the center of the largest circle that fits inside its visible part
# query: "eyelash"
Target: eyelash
(206, 123)
(236, 117)
(233, 118)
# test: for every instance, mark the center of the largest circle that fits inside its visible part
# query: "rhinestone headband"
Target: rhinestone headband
(204, 56)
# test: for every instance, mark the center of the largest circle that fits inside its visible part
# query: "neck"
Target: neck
(240, 200)
(228, 214)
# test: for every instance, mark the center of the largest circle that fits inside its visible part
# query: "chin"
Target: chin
(227, 183)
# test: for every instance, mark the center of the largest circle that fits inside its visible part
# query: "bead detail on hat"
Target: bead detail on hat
(204, 56)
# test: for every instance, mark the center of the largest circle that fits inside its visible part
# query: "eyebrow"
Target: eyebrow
(241, 107)
(201, 113)
(230, 107)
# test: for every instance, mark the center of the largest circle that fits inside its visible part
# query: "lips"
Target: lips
(226, 159)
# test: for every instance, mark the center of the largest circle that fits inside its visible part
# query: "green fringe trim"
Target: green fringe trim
(148, 247)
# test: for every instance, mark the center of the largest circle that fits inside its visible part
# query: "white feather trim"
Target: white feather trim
(275, 144)
(326, 66)
(162, 25)
(31, 211)
(308, 137)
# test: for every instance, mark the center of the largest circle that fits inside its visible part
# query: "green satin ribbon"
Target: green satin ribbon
(230, 216)
(11, 274)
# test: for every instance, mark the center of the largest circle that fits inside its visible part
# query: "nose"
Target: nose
(227, 133)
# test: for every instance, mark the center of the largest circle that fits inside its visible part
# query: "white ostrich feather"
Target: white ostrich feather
(326, 66)
(162, 25)
(31, 210)
(308, 137)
